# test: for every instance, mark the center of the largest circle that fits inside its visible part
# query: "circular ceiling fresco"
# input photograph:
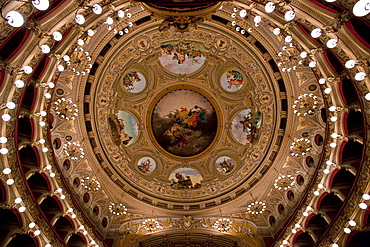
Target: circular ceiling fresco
(204, 103)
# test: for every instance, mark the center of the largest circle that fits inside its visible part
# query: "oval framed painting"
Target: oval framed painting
(184, 123)
(246, 125)
(232, 80)
(182, 57)
(134, 82)
(146, 164)
(224, 164)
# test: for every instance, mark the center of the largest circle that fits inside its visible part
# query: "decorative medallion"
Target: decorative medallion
(232, 80)
(184, 123)
(182, 57)
(134, 82)
(246, 125)
(185, 178)
(146, 164)
(224, 164)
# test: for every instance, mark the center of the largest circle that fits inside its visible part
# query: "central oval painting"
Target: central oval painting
(184, 123)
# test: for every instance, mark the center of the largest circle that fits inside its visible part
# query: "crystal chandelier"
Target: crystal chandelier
(223, 225)
(117, 209)
(300, 147)
(284, 182)
(91, 184)
(305, 104)
(65, 109)
(256, 207)
(151, 225)
(73, 150)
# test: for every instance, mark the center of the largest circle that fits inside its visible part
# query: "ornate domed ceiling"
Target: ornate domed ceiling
(192, 123)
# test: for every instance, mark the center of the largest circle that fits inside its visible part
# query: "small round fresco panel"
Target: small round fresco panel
(134, 82)
(246, 125)
(146, 164)
(224, 164)
(182, 57)
(232, 80)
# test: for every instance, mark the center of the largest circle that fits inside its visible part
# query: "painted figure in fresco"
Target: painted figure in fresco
(184, 120)
(182, 183)
(226, 167)
(234, 78)
(250, 125)
(182, 51)
(124, 137)
(145, 166)
(130, 79)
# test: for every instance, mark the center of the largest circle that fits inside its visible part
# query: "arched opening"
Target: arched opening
(304, 239)
(352, 152)
(22, 240)
(25, 130)
(104, 222)
(318, 225)
(360, 239)
(2, 192)
(354, 123)
(96, 211)
(331, 205)
(348, 91)
(57, 143)
(310, 161)
(63, 226)
(29, 97)
(66, 165)
(8, 222)
(300, 180)
(86, 197)
(51, 207)
(319, 140)
(38, 185)
(76, 241)
(281, 209)
(28, 158)
(272, 221)
(343, 181)
(290, 195)
(76, 182)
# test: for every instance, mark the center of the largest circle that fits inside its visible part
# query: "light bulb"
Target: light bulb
(41, 4)
(19, 83)
(32, 225)
(7, 171)
(60, 68)
(121, 13)
(18, 200)
(366, 197)
(360, 76)
(361, 8)
(289, 15)
(45, 49)
(27, 69)
(288, 38)
(347, 230)
(90, 32)
(97, 9)
(322, 81)
(109, 21)
(316, 33)
(269, 7)
(332, 43)
(6, 117)
(276, 31)
(327, 90)
(57, 36)
(80, 19)
(362, 205)
(14, 18)
(10, 105)
(10, 181)
(22, 209)
(350, 64)
(80, 42)
(243, 13)
(257, 19)
(352, 223)
(3, 139)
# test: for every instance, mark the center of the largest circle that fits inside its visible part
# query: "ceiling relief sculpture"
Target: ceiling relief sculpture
(188, 115)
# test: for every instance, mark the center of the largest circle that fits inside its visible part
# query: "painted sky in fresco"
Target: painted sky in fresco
(131, 127)
(181, 98)
(194, 175)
